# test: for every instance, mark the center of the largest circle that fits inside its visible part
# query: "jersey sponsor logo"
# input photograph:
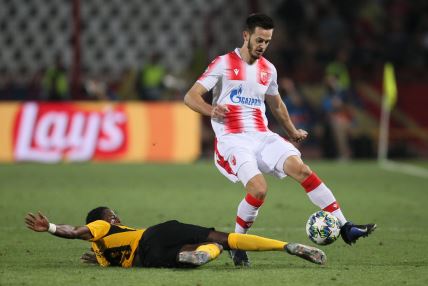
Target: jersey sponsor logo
(52, 132)
(236, 97)
(236, 71)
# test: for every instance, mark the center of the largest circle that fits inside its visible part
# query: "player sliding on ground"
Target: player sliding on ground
(170, 244)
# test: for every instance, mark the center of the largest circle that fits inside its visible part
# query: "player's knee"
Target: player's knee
(295, 168)
(305, 171)
(257, 187)
(260, 194)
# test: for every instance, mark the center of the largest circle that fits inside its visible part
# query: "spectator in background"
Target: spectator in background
(332, 29)
(150, 80)
(55, 82)
(338, 69)
(12, 88)
(297, 106)
(125, 86)
(291, 14)
(336, 106)
(35, 89)
(96, 89)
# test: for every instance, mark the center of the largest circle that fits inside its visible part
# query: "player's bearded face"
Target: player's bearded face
(258, 41)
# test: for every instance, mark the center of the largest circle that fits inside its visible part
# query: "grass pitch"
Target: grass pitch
(143, 195)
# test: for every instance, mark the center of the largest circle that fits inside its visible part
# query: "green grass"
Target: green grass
(396, 254)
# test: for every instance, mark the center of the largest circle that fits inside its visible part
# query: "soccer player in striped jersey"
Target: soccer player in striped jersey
(245, 149)
(171, 244)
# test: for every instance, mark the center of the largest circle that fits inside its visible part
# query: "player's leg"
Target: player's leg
(235, 159)
(248, 209)
(243, 164)
(256, 191)
(317, 191)
(248, 242)
(322, 196)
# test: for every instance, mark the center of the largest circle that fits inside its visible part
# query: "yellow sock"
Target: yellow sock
(212, 249)
(254, 243)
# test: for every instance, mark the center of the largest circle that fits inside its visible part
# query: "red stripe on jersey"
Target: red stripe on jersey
(233, 119)
(255, 202)
(311, 183)
(209, 68)
(258, 120)
(223, 163)
(243, 223)
(332, 207)
(235, 67)
(263, 71)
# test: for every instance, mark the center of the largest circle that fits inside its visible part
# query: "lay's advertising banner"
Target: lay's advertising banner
(84, 131)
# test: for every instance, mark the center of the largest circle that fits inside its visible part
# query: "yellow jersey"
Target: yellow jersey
(114, 245)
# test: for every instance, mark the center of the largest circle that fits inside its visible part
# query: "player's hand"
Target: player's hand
(89, 258)
(219, 112)
(37, 222)
(299, 135)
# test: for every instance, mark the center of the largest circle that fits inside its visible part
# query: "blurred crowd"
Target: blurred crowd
(331, 43)
(370, 32)
(309, 36)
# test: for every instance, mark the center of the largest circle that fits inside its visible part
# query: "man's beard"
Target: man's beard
(250, 50)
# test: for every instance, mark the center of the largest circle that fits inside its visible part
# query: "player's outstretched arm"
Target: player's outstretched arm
(40, 223)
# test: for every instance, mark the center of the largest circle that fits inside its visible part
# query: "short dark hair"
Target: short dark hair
(96, 214)
(259, 20)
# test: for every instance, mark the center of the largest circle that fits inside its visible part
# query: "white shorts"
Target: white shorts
(261, 150)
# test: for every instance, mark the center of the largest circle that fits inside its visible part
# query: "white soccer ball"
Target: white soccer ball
(323, 228)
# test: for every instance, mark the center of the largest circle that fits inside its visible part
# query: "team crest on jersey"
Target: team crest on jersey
(264, 77)
(236, 97)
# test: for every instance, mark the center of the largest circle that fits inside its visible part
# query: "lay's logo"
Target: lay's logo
(53, 132)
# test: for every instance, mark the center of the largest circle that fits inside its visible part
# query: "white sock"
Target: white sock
(248, 210)
(321, 196)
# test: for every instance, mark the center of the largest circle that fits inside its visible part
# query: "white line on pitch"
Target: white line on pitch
(404, 168)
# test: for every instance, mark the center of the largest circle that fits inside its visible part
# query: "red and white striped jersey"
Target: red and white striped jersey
(242, 87)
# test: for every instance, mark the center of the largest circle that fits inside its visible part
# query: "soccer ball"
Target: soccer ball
(323, 228)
